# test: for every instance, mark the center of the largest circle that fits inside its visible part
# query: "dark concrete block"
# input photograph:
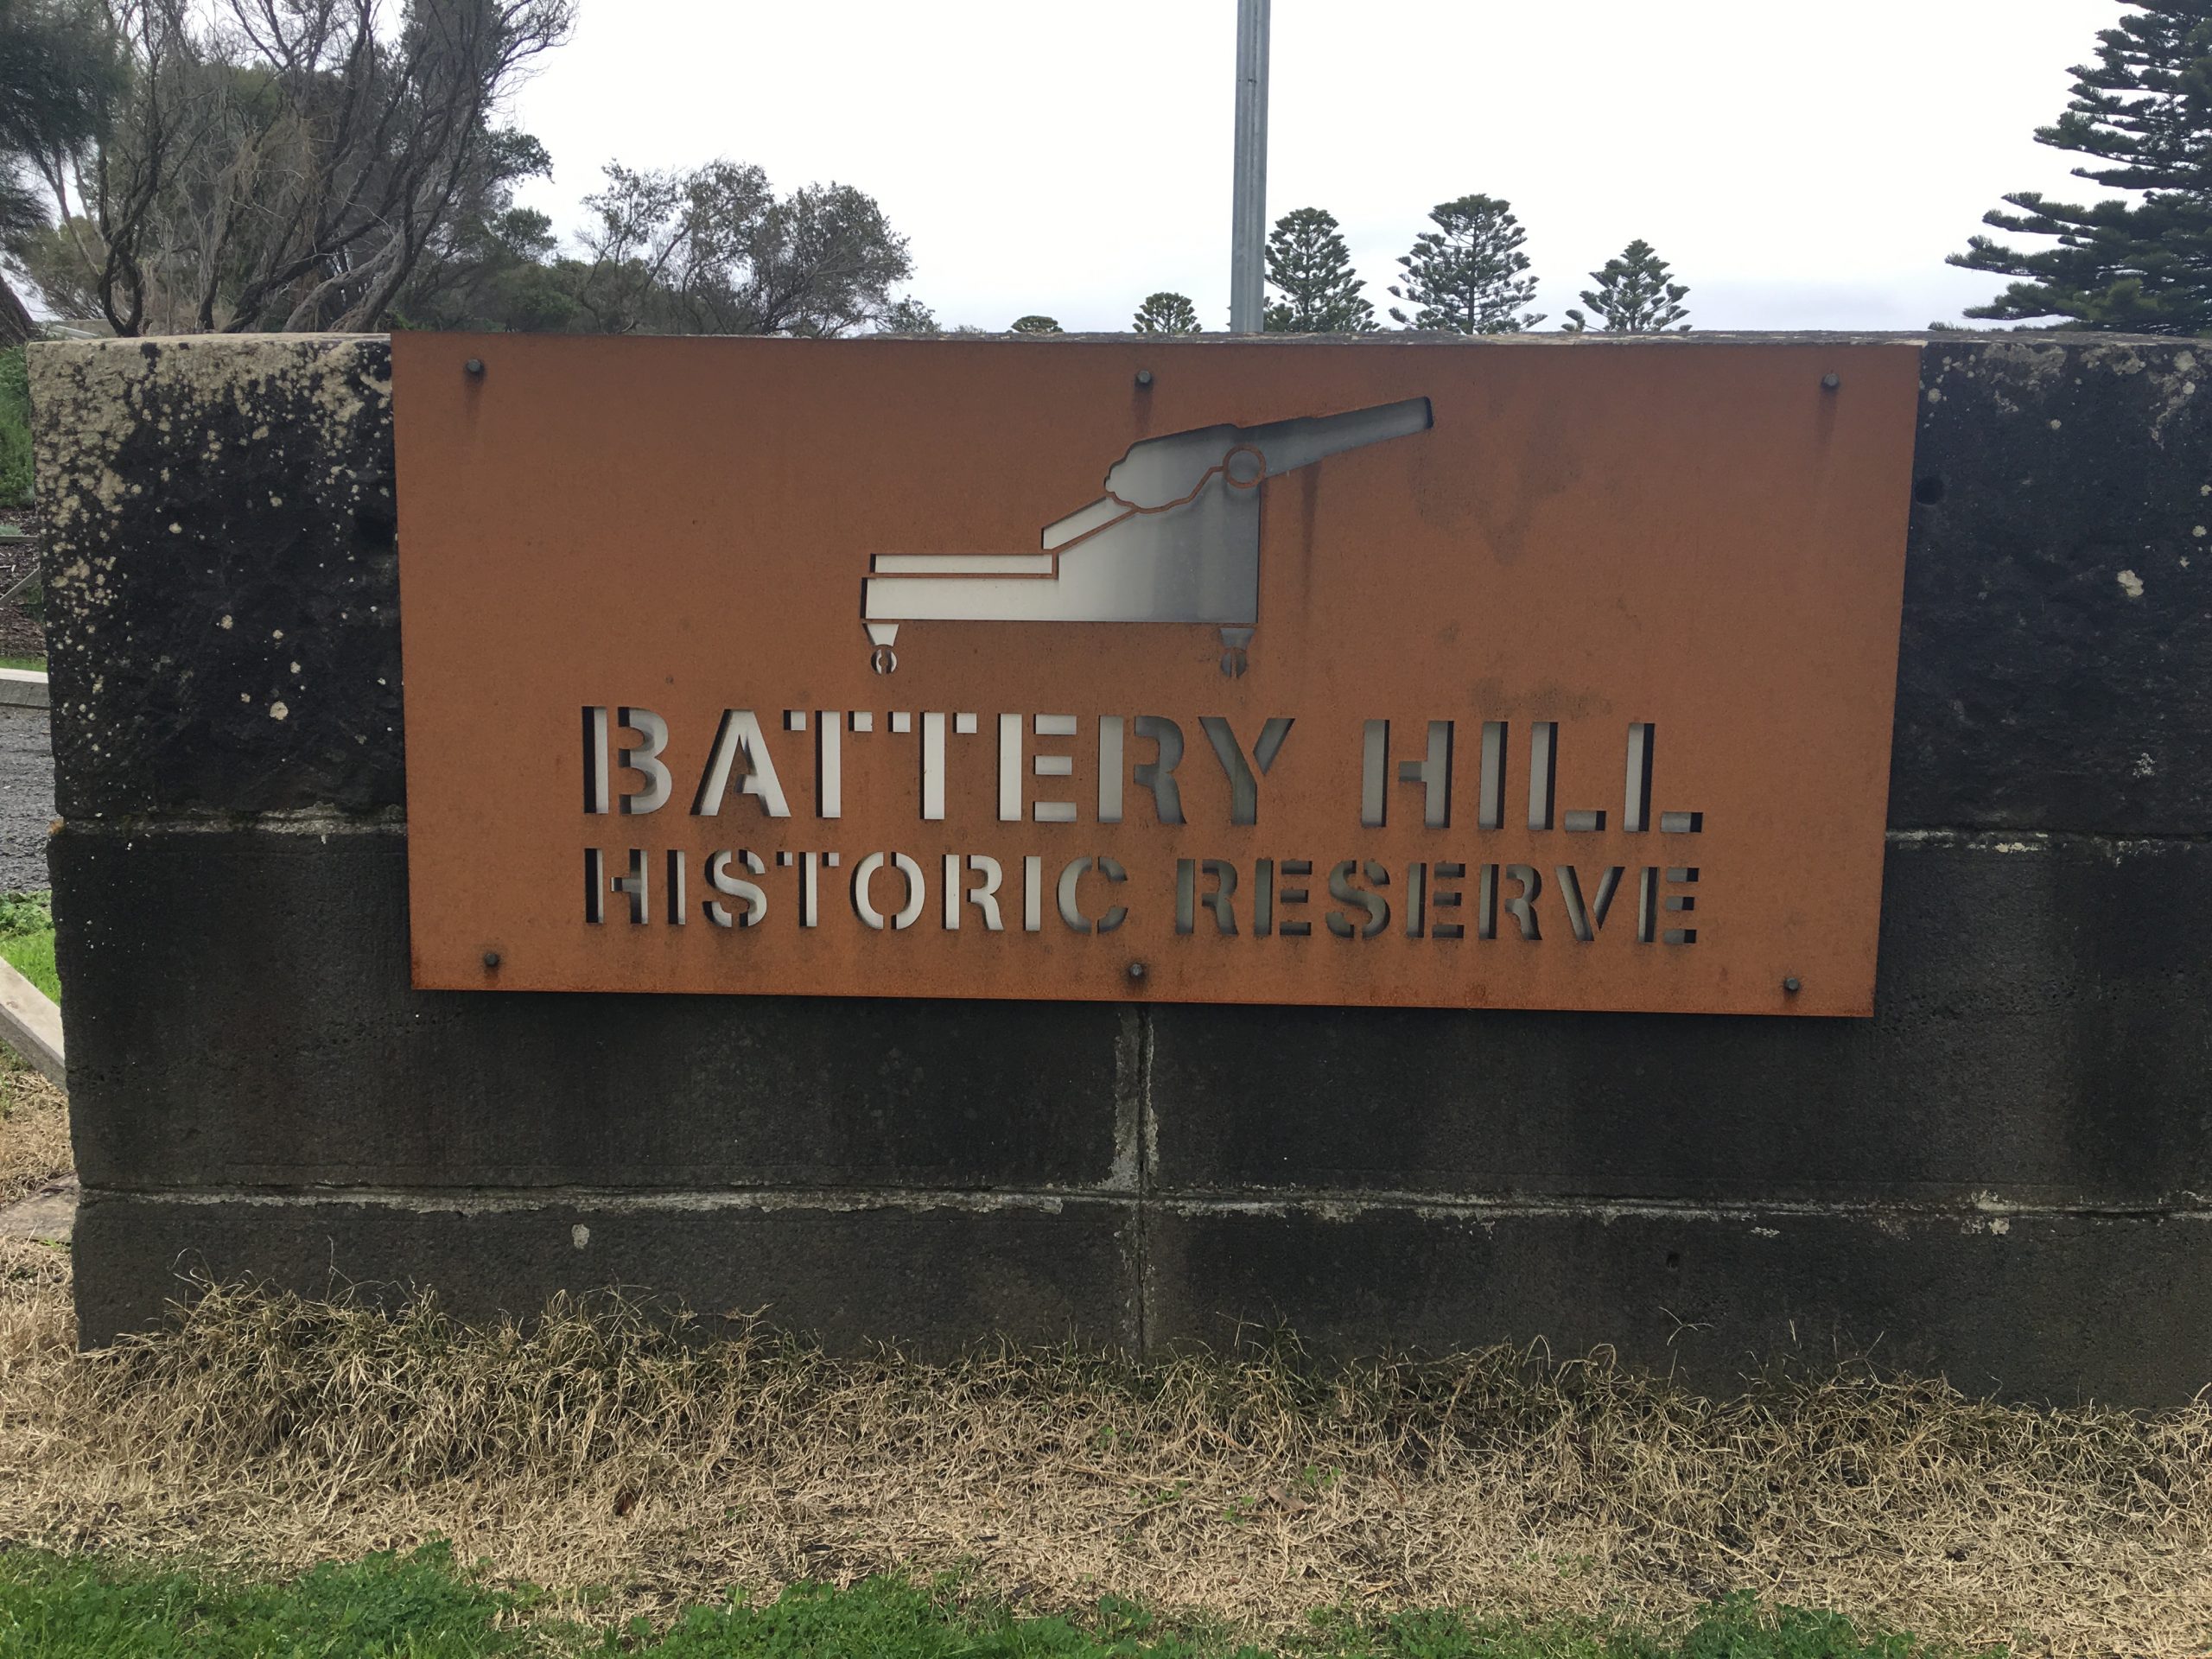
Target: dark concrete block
(850, 1272)
(2043, 1013)
(2057, 667)
(2063, 1308)
(221, 574)
(239, 1014)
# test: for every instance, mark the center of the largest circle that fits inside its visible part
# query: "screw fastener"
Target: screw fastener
(474, 366)
(491, 959)
(1144, 378)
(1793, 985)
(1830, 381)
(1136, 970)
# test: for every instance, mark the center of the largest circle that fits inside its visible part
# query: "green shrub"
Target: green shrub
(27, 940)
(14, 429)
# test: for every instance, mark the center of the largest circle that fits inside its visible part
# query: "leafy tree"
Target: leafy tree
(908, 316)
(1036, 323)
(1468, 274)
(63, 264)
(284, 163)
(716, 252)
(59, 75)
(1308, 261)
(1636, 295)
(500, 273)
(493, 265)
(1166, 313)
(2143, 112)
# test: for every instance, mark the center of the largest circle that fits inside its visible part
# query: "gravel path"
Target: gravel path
(26, 797)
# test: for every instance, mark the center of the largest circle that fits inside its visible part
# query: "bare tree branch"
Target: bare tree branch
(285, 164)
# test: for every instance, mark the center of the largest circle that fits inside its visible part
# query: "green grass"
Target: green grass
(421, 1606)
(884, 1617)
(37, 662)
(27, 940)
(412, 1605)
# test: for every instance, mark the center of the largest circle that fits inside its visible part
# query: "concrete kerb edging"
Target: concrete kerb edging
(31, 1025)
(22, 688)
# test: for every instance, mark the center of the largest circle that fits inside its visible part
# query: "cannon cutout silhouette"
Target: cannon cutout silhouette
(1175, 538)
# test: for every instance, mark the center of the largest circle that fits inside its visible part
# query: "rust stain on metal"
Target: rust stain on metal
(1532, 676)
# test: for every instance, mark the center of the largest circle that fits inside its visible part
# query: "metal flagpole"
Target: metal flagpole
(1248, 213)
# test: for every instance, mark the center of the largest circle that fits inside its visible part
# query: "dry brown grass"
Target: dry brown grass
(34, 1130)
(604, 1444)
(601, 1446)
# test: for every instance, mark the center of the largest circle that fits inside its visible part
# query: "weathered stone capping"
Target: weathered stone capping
(2003, 1175)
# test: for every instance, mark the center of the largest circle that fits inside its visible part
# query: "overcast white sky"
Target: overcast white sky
(1803, 164)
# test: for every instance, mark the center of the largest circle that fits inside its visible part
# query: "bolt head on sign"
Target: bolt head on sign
(1536, 674)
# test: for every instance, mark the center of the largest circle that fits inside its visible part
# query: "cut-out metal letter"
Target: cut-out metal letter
(1374, 775)
(916, 891)
(1435, 774)
(633, 883)
(1490, 808)
(1054, 765)
(1071, 912)
(595, 779)
(1109, 769)
(830, 762)
(809, 889)
(1543, 771)
(1221, 900)
(1636, 803)
(1243, 788)
(1522, 908)
(1158, 774)
(932, 767)
(1009, 768)
(1445, 898)
(984, 898)
(1680, 904)
(739, 738)
(1377, 908)
(754, 897)
(646, 760)
(1285, 896)
(1585, 920)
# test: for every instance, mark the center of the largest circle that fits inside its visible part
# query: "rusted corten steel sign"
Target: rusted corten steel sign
(1532, 676)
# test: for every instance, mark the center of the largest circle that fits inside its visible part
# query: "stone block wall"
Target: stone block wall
(2003, 1175)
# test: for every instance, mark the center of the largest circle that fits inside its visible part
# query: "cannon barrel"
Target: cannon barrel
(1287, 444)
(1158, 472)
